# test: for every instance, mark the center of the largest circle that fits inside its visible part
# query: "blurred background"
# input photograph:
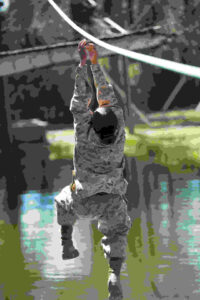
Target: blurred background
(38, 57)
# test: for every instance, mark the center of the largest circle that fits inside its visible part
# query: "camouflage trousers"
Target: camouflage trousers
(109, 209)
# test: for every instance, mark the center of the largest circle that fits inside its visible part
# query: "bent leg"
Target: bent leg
(115, 224)
(64, 206)
(66, 217)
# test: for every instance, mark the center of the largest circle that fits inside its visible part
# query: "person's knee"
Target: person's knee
(65, 217)
(111, 230)
(114, 246)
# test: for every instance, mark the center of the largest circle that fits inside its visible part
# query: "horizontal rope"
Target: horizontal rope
(188, 70)
(116, 36)
(37, 48)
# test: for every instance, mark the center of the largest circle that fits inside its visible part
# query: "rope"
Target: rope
(37, 48)
(115, 36)
(155, 61)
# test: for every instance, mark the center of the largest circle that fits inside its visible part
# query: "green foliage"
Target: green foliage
(61, 150)
(187, 114)
(133, 70)
(174, 147)
(104, 62)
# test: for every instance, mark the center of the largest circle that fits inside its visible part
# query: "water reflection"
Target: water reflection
(41, 247)
(163, 254)
(188, 229)
(163, 258)
(178, 234)
(41, 241)
(16, 278)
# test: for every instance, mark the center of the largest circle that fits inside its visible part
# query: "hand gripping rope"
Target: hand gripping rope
(154, 61)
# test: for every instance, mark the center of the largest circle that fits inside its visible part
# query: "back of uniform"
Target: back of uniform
(98, 167)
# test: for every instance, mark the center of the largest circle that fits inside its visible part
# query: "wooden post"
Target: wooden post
(6, 146)
(135, 11)
(130, 120)
(173, 94)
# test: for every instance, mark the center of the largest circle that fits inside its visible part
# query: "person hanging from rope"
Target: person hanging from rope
(98, 187)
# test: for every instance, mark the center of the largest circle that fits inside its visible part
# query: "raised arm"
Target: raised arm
(105, 93)
(82, 93)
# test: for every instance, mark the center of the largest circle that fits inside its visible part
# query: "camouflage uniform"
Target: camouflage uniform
(98, 189)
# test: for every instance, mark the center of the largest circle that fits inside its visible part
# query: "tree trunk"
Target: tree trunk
(8, 157)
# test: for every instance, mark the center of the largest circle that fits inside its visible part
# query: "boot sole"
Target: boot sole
(71, 255)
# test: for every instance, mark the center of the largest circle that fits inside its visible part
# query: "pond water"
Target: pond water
(163, 253)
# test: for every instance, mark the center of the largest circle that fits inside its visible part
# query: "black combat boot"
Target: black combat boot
(114, 285)
(69, 251)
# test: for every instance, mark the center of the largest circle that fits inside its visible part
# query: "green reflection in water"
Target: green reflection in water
(46, 217)
(16, 279)
(165, 223)
(36, 211)
(164, 206)
(163, 187)
(144, 260)
(190, 220)
(93, 286)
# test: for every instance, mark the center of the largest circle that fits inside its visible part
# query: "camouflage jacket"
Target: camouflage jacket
(97, 167)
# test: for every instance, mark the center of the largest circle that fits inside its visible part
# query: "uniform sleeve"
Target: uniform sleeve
(79, 104)
(82, 93)
(105, 92)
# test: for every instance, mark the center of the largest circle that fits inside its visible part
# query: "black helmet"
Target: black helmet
(104, 122)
